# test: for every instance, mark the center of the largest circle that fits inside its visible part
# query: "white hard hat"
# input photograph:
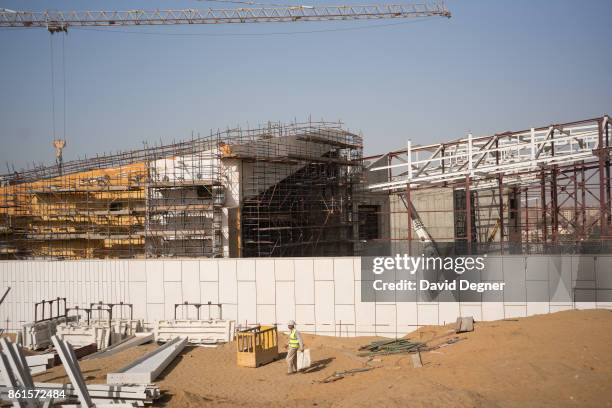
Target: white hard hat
(291, 323)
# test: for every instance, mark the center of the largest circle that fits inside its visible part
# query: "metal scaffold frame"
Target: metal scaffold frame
(536, 190)
(274, 190)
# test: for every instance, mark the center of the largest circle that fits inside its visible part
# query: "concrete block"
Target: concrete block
(146, 369)
(195, 331)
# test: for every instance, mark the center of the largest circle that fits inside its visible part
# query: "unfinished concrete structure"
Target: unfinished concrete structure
(532, 191)
(277, 190)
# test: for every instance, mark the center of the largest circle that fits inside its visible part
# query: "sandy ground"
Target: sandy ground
(556, 360)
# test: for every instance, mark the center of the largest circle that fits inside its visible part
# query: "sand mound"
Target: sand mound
(561, 359)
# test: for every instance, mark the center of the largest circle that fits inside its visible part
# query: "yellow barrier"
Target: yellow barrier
(256, 346)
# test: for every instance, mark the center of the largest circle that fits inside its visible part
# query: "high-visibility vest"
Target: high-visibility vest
(294, 342)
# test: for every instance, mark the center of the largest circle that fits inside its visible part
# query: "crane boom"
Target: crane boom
(56, 21)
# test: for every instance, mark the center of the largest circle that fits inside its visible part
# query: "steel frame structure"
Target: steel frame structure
(564, 168)
(56, 21)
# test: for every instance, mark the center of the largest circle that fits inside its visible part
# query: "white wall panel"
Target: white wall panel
(264, 276)
(283, 269)
(209, 292)
(344, 281)
(173, 294)
(245, 269)
(323, 269)
(137, 270)
(285, 302)
(247, 307)
(209, 270)
(304, 282)
(228, 285)
(324, 305)
(191, 281)
(172, 270)
(266, 314)
(317, 293)
(155, 282)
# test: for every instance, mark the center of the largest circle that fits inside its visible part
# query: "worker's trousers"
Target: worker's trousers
(291, 360)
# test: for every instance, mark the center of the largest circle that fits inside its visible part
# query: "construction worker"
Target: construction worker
(295, 343)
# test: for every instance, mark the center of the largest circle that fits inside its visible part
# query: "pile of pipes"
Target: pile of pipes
(386, 347)
(16, 375)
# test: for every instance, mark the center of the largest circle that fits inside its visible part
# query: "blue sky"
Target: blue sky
(494, 66)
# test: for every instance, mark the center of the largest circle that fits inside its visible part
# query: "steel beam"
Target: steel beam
(145, 369)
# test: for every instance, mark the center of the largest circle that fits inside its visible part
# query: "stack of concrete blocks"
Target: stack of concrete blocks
(40, 363)
(79, 334)
(120, 329)
(37, 335)
(99, 331)
(200, 332)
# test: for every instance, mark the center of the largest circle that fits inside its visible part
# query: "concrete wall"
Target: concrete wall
(435, 208)
(321, 294)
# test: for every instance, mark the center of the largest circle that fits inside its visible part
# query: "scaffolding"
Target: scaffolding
(539, 190)
(276, 190)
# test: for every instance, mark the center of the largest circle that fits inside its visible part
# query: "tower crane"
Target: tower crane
(59, 21)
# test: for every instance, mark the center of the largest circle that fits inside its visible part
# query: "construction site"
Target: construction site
(303, 189)
(279, 190)
(182, 274)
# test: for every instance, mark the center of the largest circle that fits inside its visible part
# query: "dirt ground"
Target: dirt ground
(555, 360)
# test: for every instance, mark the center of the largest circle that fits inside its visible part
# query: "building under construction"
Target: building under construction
(278, 190)
(540, 190)
(304, 190)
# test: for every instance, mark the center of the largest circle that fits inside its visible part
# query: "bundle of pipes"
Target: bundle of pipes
(385, 347)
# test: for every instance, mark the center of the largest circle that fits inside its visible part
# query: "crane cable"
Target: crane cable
(52, 86)
(64, 78)
(52, 62)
